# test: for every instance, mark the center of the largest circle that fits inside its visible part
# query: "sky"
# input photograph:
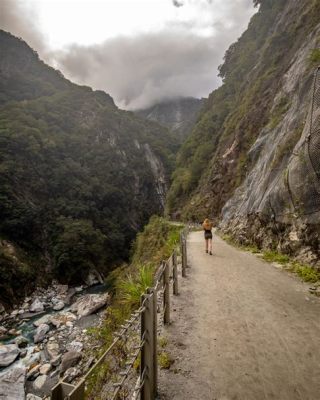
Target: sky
(141, 52)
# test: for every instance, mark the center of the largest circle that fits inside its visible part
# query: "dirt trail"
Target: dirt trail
(241, 329)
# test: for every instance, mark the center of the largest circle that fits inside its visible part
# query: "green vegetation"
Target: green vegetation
(16, 274)
(214, 159)
(307, 273)
(164, 359)
(314, 58)
(162, 341)
(132, 287)
(75, 181)
(274, 256)
(156, 243)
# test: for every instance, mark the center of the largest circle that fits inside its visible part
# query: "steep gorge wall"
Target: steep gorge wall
(78, 176)
(258, 177)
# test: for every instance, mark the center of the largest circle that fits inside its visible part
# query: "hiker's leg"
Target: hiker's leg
(206, 245)
(210, 245)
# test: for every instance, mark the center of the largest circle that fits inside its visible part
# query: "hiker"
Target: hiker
(207, 226)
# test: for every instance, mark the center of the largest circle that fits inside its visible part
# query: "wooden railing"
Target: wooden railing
(144, 319)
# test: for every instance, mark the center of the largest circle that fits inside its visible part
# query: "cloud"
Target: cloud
(177, 3)
(142, 70)
(20, 19)
(179, 59)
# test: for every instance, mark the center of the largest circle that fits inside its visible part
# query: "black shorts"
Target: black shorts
(207, 234)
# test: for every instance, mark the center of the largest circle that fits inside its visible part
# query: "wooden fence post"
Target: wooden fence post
(155, 342)
(146, 365)
(183, 257)
(175, 274)
(166, 294)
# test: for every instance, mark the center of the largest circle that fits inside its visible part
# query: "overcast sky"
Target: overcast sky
(139, 51)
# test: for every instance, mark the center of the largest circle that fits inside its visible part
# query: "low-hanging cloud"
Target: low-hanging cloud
(180, 59)
(143, 70)
(20, 20)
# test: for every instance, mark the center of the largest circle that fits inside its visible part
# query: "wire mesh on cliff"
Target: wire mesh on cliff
(296, 191)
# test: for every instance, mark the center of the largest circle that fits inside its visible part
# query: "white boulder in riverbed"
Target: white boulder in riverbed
(59, 305)
(69, 359)
(52, 349)
(90, 303)
(41, 332)
(39, 383)
(8, 353)
(45, 369)
(31, 396)
(62, 318)
(36, 306)
(12, 384)
(46, 319)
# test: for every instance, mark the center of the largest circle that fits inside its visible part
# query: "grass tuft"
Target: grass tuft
(165, 361)
(307, 273)
(131, 288)
(274, 256)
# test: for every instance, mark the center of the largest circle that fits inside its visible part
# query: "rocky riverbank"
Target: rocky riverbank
(45, 338)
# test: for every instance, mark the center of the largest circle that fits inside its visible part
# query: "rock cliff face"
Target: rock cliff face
(78, 176)
(179, 115)
(261, 133)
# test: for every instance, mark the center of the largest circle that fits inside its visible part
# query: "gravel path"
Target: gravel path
(241, 329)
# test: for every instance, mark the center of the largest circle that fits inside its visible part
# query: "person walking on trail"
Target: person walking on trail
(207, 227)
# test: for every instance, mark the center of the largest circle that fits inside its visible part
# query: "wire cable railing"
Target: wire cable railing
(136, 340)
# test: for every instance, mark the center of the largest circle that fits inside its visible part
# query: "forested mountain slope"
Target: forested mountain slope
(251, 129)
(179, 115)
(78, 176)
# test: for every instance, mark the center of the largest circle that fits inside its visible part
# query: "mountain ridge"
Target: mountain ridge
(179, 114)
(78, 176)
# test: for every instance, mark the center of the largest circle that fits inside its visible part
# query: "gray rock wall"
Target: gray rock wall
(278, 204)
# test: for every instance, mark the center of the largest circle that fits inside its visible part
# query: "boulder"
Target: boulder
(8, 353)
(90, 303)
(12, 384)
(74, 346)
(14, 313)
(14, 332)
(45, 369)
(3, 333)
(46, 319)
(52, 349)
(41, 332)
(93, 278)
(29, 315)
(31, 396)
(39, 383)
(58, 306)
(62, 318)
(56, 361)
(36, 306)
(69, 359)
(71, 374)
(21, 341)
(33, 372)
(23, 353)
